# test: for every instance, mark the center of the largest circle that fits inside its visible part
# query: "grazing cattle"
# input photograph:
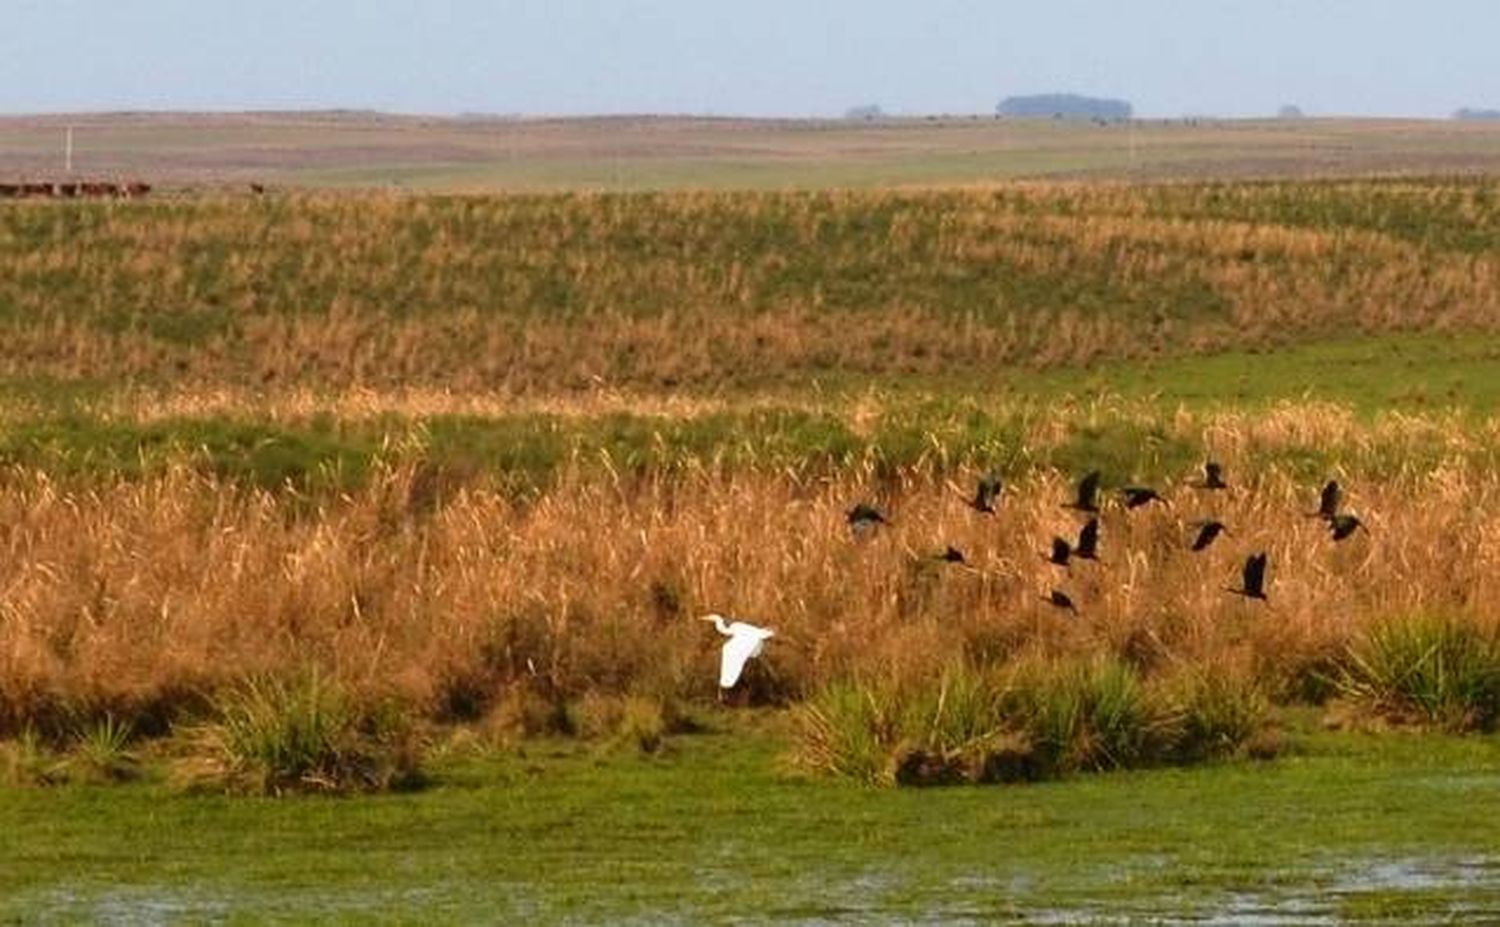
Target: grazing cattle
(36, 189)
(135, 189)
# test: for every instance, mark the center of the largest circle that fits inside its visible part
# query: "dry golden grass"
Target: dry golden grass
(142, 599)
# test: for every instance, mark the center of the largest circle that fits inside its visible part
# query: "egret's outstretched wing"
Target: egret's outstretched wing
(746, 641)
(737, 651)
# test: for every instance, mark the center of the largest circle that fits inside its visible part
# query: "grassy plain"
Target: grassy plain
(734, 292)
(471, 464)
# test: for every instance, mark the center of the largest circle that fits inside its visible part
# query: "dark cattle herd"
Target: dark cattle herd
(71, 189)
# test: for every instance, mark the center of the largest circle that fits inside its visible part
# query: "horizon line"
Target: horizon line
(891, 116)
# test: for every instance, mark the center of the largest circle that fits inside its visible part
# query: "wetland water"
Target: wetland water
(1466, 888)
(1395, 827)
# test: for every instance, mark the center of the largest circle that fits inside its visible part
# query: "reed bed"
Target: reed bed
(144, 600)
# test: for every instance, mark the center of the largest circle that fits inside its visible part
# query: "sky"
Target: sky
(749, 57)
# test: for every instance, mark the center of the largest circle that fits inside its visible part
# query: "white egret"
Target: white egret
(745, 641)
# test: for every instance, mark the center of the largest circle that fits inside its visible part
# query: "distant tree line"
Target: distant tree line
(1477, 114)
(1064, 106)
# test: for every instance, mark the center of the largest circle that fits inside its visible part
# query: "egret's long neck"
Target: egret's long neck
(723, 628)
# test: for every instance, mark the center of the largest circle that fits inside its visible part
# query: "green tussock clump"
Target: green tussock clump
(1427, 668)
(634, 721)
(847, 729)
(1086, 715)
(1215, 711)
(27, 760)
(1036, 719)
(276, 735)
(97, 751)
(102, 751)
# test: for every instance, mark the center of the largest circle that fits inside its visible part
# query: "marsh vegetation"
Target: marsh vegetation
(341, 494)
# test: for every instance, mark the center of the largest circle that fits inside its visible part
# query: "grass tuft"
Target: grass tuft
(1084, 714)
(637, 721)
(27, 760)
(275, 735)
(1430, 668)
(1038, 718)
(102, 752)
(847, 729)
(1215, 711)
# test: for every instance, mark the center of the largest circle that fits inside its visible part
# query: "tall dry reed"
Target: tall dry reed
(140, 600)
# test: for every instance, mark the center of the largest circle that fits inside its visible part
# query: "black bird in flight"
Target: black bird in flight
(1088, 494)
(1060, 599)
(864, 517)
(1254, 578)
(986, 494)
(1088, 541)
(1137, 496)
(1060, 552)
(952, 555)
(1328, 502)
(1344, 525)
(1208, 532)
(1213, 477)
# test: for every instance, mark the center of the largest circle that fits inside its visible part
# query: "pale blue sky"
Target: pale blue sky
(753, 57)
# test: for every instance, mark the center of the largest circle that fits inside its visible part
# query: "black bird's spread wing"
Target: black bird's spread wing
(1328, 502)
(1213, 475)
(1062, 600)
(1343, 526)
(1088, 539)
(1206, 534)
(1060, 551)
(1088, 491)
(1255, 575)
(986, 493)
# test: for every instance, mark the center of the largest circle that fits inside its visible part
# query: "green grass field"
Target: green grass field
(1348, 827)
(83, 429)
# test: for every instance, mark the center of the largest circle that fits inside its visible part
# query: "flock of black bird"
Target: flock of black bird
(864, 518)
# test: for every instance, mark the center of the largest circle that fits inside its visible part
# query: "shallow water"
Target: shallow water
(1315, 896)
(1466, 887)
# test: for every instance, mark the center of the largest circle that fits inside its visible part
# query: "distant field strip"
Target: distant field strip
(640, 153)
(732, 290)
